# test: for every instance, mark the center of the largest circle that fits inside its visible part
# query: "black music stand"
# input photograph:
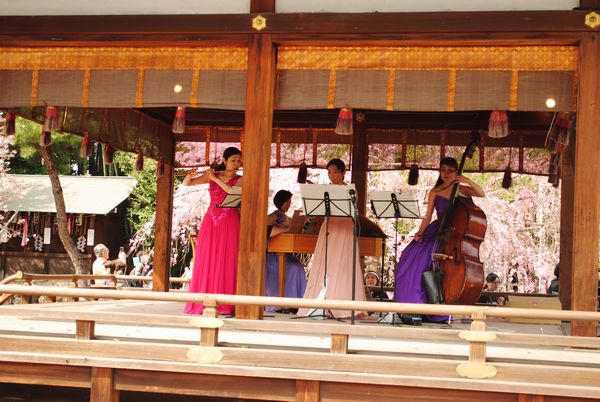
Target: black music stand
(327, 200)
(389, 204)
(233, 198)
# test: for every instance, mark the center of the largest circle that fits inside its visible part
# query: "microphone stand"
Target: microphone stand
(352, 194)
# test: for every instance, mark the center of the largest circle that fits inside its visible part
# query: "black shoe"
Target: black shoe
(411, 319)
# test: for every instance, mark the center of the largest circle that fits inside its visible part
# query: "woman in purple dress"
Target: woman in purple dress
(216, 257)
(295, 276)
(416, 257)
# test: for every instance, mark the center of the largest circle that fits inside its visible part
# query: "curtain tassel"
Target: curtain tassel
(179, 121)
(344, 122)
(51, 121)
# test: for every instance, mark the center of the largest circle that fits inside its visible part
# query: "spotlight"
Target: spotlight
(177, 88)
(550, 103)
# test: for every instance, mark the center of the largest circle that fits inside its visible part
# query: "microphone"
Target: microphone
(352, 192)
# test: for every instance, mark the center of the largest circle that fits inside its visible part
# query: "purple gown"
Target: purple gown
(295, 277)
(416, 259)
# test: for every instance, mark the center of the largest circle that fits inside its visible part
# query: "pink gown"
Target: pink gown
(216, 259)
(339, 267)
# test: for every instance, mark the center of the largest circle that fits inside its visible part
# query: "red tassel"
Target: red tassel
(498, 124)
(160, 167)
(179, 121)
(86, 146)
(108, 154)
(302, 173)
(9, 124)
(344, 122)
(45, 138)
(507, 179)
(139, 163)
(413, 175)
(51, 121)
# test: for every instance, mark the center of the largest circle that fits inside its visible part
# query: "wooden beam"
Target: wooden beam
(262, 6)
(260, 95)
(191, 28)
(586, 200)
(102, 389)
(307, 391)
(164, 208)
(360, 159)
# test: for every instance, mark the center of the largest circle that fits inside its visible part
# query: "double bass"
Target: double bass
(456, 252)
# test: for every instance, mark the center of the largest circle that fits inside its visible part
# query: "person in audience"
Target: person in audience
(99, 265)
(553, 289)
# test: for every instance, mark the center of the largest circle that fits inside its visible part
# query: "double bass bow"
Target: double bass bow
(455, 259)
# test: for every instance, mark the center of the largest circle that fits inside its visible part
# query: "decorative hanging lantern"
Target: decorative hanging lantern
(45, 138)
(179, 121)
(9, 124)
(108, 154)
(507, 178)
(344, 122)
(51, 121)
(498, 125)
(139, 162)
(413, 175)
(302, 173)
(160, 167)
(86, 146)
(413, 171)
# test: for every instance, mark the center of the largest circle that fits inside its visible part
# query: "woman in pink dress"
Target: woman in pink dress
(339, 259)
(215, 261)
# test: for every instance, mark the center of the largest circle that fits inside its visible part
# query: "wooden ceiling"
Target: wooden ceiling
(475, 120)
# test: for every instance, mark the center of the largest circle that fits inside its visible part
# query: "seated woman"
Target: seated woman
(295, 277)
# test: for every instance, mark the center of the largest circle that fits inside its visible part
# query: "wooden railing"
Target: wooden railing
(116, 282)
(212, 352)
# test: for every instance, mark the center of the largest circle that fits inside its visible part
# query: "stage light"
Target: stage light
(550, 103)
(177, 88)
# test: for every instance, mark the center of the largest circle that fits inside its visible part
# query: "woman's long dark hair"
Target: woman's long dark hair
(228, 153)
(447, 161)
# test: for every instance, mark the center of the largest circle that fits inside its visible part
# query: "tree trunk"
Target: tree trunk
(61, 214)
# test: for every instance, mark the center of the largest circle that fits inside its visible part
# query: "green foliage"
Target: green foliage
(143, 197)
(64, 151)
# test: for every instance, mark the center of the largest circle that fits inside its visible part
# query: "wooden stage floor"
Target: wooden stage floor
(285, 358)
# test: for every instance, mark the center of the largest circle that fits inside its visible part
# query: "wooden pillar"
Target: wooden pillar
(258, 128)
(103, 388)
(308, 391)
(586, 181)
(360, 158)
(164, 211)
(567, 192)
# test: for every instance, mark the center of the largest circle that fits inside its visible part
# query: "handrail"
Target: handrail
(407, 308)
(209, 323)
(82, 277)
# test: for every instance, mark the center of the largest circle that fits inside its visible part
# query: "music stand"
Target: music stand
(233, 198)
(326, 200)
(389, 204)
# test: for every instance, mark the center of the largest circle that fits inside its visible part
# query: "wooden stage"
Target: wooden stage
(151, 346)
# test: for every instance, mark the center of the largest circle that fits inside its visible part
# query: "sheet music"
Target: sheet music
(382, 205)
(233, 198)
(313, 199)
